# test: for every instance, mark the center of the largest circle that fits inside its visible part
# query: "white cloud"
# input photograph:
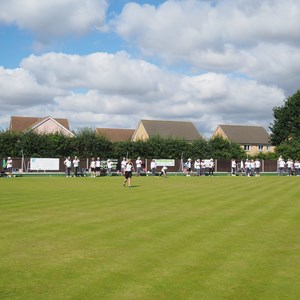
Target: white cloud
(55, 18)
(118, 91)
(19, 87)
(230, 36)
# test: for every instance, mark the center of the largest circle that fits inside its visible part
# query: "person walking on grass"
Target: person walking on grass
(128, 173)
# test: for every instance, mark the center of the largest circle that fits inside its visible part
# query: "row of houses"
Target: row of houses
(252, 139)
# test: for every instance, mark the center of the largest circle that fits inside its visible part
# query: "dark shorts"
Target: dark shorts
(97, 169)
(92, 169)
(128, 174)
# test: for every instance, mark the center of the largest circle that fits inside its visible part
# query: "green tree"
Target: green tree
(286, 125)
(225, 149)
(289, 149)
(200, 149)
(88, 143)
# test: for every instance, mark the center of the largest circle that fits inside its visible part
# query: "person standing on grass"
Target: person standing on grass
(76, 165)
(189, 167)
(281, 164)
(109, 167)
(257, 165)
(297, 168)
(290, 166)
(68, 165)
(128, 173)
(9, 163)
(197, 166)
(203, 167)
(123, 165)
(98, 166)
(211, 167)
(93, 167)
(233, 167)
(138, 163)
(153, 167)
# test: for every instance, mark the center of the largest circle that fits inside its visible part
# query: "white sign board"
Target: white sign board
(165, 162)
(44, 164)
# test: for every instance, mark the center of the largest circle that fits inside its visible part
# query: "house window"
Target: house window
(268, 147)
(247, 147)
(260, 147)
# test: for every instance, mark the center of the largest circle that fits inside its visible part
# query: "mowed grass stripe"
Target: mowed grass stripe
(224, 244)
(171, 238)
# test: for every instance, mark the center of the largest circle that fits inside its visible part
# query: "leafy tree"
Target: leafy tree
(223, 148)
(88, 143)
(10, 144)
(286, 125)
(200, 149)
(289, 149)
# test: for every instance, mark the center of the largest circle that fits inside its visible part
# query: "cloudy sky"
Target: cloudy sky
(110, 63)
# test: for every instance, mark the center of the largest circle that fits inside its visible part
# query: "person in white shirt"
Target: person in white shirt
(93, 167)
(163, 171)
(189, 167)
(76, 165)
(128, 173)
(281, 164)
(248, 167)
(211, 167)
(257, 165)
(290, 166)
(98, 167)
(68, 165)
(109, 167)
(153, 167)
(297, 168)
(138, 163)
(242, 169)
(123, 165)
(203, 167)
(9, 163)
(197, 167)
(233, 167)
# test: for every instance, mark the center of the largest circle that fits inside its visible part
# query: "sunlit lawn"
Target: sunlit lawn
(164, 238)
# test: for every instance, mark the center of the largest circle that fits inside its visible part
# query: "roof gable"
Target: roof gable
(169, 129)
(45, 125)
(246, 134)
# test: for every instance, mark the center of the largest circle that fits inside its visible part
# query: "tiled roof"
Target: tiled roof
(115, 134)
(246, 134)
(173, 129)
(22, 124)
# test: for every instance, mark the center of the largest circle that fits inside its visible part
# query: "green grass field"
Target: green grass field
(164, 238)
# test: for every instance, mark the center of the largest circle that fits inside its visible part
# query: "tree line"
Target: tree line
(87, 143)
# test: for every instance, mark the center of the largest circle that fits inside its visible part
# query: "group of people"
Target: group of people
(290, 167)
(251, 167)
(127, 168)
(68, 164)
(200, 167)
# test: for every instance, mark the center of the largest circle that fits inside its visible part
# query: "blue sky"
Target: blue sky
(110, 63)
